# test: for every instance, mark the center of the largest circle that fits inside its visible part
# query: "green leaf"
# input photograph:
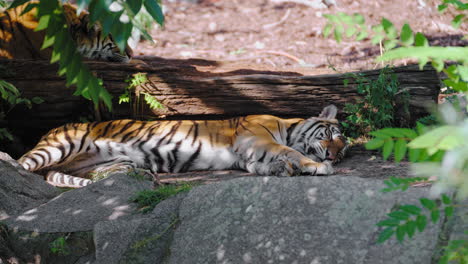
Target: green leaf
(154, 9)
(106, 98)
(43, 23)
(389, 222)
(134, 5)
(400, 232)
(448, 211)
(48, 41)
(463, 71)
(121, 32)
(375, 143)
(389, 29)
(435, 215)
(412, 209)
(400, 149)
(362, 35)
(327, 30)
(17, 3)
(109, 21)
(441, 138)
(337, 33)
(350, 31)
(82, 81)
(400, 215)
(456, 22)
(414, 154)
(438, 64)
(67, 55)
(376, 39)
(94, 89)
(446, 199)
(387, 149)
(421, 222)
(410, 228)
(359, 19)
(55, 56)
(420, 40)
(73, 70)
(442, 7)
(385, 235)
(97, 9)
(440, 53)
(28, 8)
(429, 204)
(390, 44)
(406, 35)
(37, 100)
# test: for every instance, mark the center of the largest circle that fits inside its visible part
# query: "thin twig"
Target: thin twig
(282, 53)
(267, 26)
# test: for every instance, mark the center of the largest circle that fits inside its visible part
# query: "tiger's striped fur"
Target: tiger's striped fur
(261, 144)
(18, 40)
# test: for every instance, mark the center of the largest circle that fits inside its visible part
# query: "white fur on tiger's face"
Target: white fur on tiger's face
(260, 144)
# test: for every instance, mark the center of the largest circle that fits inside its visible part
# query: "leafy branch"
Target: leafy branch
(408, 218)
(117, 22)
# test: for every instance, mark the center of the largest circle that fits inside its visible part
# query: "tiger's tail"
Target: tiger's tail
(57, 147)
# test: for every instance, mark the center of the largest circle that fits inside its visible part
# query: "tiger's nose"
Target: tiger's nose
(330, 155)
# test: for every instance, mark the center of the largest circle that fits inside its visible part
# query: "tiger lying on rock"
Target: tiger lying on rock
(260, 144)
(18, 40)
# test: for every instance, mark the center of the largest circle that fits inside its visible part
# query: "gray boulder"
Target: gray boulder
(60, 230)
(20, 189)
(80, 209)
(148, 242)
(294, 220)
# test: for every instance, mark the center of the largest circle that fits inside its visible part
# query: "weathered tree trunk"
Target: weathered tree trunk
(190, 94)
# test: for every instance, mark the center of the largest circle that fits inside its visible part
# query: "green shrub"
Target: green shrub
(148, 199)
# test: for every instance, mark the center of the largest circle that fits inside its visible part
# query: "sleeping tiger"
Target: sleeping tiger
(18, 40)
(260, 144)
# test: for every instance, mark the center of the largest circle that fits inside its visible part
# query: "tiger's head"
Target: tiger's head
(90, 40)
(319, 138)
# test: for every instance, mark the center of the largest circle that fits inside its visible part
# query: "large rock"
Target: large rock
(20, 189)
(71, 217)
(149, 241)
(294, 220)
(80, 209)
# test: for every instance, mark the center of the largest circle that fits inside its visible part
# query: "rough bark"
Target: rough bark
(191, 94)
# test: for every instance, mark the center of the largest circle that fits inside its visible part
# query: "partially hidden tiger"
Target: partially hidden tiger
(19, 40)
(260, 144)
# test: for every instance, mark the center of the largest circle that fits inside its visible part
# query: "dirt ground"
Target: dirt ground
(280, 35)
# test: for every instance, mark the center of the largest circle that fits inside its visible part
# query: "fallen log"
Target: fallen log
(188, 93)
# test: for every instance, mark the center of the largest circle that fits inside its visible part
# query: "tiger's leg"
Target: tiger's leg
(60, 179)
(269, 158)
(127, 166)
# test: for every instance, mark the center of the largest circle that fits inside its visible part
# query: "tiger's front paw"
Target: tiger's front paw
(326, 168)
(322, 168)
(282, 168)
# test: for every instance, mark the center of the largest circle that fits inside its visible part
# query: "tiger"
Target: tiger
(260, 144)
(19, 40)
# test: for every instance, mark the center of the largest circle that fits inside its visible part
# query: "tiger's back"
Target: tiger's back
(17, 36)
(262, 144)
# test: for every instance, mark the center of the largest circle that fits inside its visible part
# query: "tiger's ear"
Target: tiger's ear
(329, 112)
(70, 15)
